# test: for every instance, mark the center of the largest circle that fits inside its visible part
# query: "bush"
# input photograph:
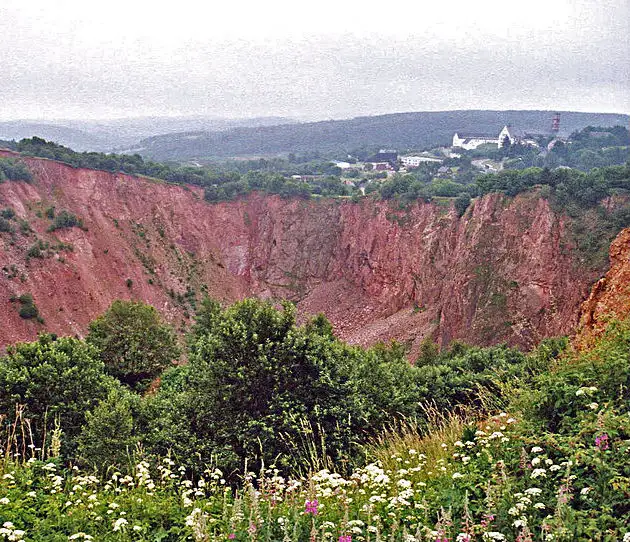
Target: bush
(56, 379)
(27, 309)
(462, 202)
(109, 435)
(14, 170)
(255, 383)
(133, 343)
(7, 213)
(37, 249)
(6, 226)
(65, 220)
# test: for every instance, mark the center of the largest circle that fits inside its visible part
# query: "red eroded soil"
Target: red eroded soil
(610, 296)
(496, 274)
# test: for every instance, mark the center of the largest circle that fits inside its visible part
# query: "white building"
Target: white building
(415, 161)
(469, 142)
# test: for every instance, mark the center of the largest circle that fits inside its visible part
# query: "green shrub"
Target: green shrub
(14, 170)
(37, 249)
(56, 379)
(27, 309)
(7, 213)
(133, 343)
(65, 219)
(6, 226)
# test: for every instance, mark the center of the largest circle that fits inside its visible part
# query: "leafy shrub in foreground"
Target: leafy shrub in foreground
(133, 343)
(56, 379)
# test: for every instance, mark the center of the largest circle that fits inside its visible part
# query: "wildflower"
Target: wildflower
(536, 449)
(593, 406)
(601, 441)
(310, 507)
(519, 523)
(457, 475)
(539, 506)
(119, 524)
(539, 472)
(231, 536)
(585, 490)
(493, 535)
(463, 537)
(345, 538)
(4, 500)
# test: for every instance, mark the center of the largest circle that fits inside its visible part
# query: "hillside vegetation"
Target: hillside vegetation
(277, 432)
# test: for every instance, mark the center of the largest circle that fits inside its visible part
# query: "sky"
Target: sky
(78, 59)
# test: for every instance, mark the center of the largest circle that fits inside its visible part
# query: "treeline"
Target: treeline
(563, 184)
(256, 387)
(221, 183)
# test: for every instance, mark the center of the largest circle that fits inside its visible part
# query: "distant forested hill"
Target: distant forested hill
(400, 131)
(108, 135)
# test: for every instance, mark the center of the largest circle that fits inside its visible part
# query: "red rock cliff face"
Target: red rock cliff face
(610, 296)
(502, 272)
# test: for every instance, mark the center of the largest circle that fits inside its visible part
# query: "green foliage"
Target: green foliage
(133, 343)
(7, 213)
(109, 435)
(254, 379)
(65, 219)
(55, 379)
(462, 202)
(14, 170)
(502, 477)
(36, 250)
(6, 226)
(253, 364)
(28, 309)
(220, 183)
(556, 465)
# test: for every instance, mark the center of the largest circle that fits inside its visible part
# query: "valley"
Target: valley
(505, 271)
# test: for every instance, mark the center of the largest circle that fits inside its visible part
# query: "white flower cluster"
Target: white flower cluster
(9, 532)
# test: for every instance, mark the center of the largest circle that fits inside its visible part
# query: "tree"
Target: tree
(254, 383)
(462, 201)
(133, 343)
(109, 435)
(55, 379)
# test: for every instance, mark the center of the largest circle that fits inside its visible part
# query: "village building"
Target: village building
(415, 161)
(470, 142)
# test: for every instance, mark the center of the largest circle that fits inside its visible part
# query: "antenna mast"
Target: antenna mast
(555, 123)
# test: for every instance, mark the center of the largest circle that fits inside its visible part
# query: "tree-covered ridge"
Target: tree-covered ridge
(541, 455)
(222, 182)
(421, 130)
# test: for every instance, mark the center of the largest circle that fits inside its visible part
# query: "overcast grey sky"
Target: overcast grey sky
(317, 60)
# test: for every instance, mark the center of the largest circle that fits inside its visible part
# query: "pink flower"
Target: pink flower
(345, 538)
(231, 536)
(601, 441)
(311, 507)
